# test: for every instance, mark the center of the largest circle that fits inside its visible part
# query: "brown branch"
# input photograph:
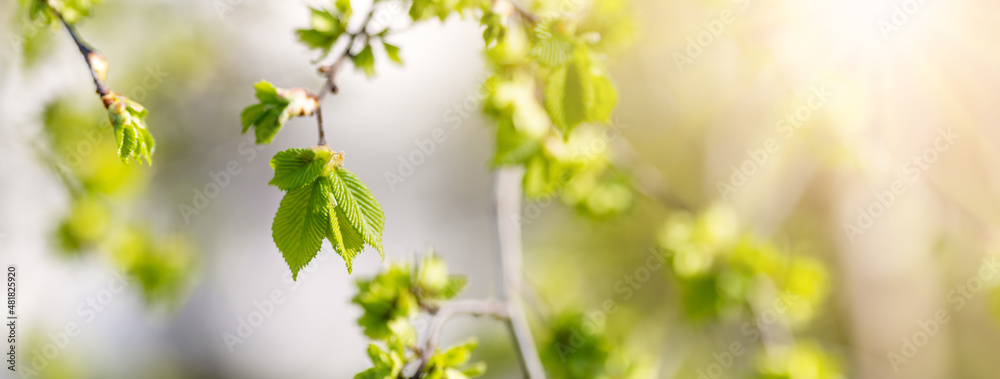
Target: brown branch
(90, 55)
(330, 71)
(494, 308)
(521, 11)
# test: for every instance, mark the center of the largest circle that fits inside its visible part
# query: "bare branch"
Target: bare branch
(330, 86)
(95, 60)
(508, 212)
(493, 308)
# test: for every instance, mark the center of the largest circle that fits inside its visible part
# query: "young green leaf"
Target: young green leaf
(553, 45)
(388, 364)
(128, 118)
(494, 29)
(294, 168)
(445, 365)
(302, 222)
(326, 28)
(605, 99)
(393, 52)
(346, 241)
(276, 107)
(387, 303)
(268, 116)
(513, 147)
(365, 61)
(569, 93)
(362, 212)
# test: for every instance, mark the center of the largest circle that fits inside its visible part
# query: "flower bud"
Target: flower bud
(99, 64)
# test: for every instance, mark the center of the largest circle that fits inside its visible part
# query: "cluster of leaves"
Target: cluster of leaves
(327, 26)
(322, 201)
(561, 137)
(719, 268)
(71, 10)
(79, 150)
(390, 301)
(723, 272)
(276, 106)
(128, 119)
(578, 347)
(159, 264)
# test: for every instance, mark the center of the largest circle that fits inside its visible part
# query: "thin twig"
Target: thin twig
(494, 308)
(524, 13)
(330, 86)
(647, 178)
(508, 210)
(89, 54)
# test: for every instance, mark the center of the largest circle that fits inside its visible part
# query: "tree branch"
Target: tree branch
(508, 212)
(647, 178)
(494, 308)
(330, 71)
(93, 57)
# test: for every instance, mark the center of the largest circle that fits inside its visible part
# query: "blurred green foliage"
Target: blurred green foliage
(578, 347)
(720, 269)
(805, 360)
(391, 300)
(80, 149)
(162, 265)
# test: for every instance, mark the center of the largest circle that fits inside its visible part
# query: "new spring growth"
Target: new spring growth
(99, 64)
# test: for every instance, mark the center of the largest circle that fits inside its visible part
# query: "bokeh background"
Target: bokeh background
(692, 125)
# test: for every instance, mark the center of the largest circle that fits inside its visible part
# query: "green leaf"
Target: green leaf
(553, 46)
(605, 99)
(393, 52)
(267, 93)
(387, 303)
(494, 29)
(445, 365)
(362, 212)
(302, 222)
(344, 7)
(365, 61)
(326, 28)
(569, 94)
(514, 147)
(268, 116)
(346, 241)
(294, 168)
(128, 119)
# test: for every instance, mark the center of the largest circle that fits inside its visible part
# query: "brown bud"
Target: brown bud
(109, 99)
(99, 64)
(303, 102)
